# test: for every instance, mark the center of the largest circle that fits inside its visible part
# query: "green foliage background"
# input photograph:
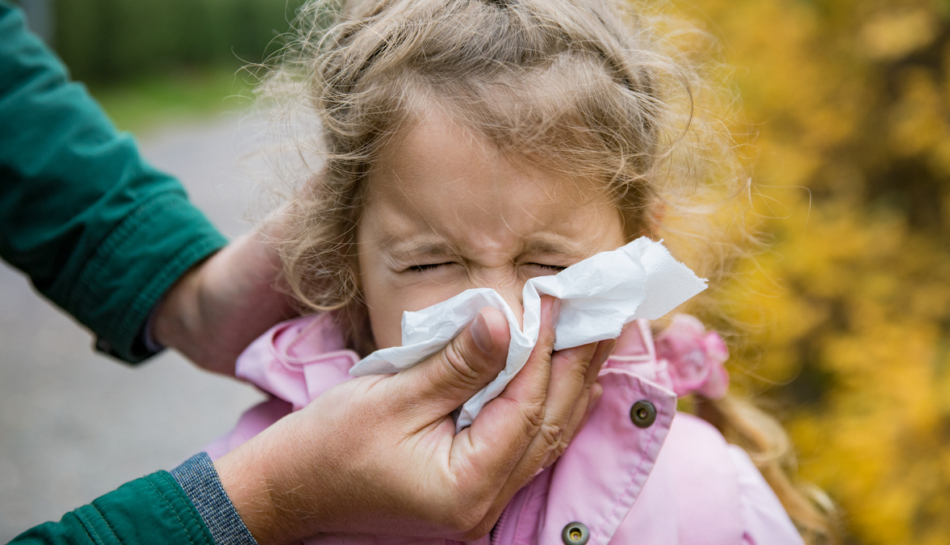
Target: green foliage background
(849, 101)
(108, 40)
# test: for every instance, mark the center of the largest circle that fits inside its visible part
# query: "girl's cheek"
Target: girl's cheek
(387, 305)
(425, 294)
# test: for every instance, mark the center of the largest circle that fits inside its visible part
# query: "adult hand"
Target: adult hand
(218, 307)
(379, 454)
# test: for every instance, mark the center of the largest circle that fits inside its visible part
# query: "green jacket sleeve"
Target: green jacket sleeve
(150, 510)
(99, 232)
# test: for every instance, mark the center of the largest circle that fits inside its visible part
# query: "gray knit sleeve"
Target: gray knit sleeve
(201, 484)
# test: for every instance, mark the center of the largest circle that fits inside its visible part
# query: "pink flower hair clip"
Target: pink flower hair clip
(695, 357)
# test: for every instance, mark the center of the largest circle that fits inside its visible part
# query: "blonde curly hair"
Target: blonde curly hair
(594, 89)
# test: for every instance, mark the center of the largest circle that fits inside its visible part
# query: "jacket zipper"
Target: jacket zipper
(511, 510)
(496, 531)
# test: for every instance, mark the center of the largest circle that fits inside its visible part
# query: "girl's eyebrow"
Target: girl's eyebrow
(423, 249)
(549, 248)
(406, 249)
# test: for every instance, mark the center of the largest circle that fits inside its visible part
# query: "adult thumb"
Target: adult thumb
(467, 364)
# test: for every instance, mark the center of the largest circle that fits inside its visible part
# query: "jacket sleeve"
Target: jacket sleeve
(766, 522)
(146, 511)
(99, 232)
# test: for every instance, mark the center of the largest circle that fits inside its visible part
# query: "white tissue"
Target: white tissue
(598, 297)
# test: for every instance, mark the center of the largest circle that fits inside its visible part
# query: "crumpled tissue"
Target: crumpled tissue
(598, 297)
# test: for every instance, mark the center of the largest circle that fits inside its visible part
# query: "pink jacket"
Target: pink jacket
(627, 477)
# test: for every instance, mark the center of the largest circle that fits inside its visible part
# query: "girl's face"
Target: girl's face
(445, 211)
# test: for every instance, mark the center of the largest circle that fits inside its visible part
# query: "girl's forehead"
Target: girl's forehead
(446, 181)
(439, 159)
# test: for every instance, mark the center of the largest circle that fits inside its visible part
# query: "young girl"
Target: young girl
(479, 143)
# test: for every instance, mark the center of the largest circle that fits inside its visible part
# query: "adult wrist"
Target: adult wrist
(243, 474)
(147, 336)
(176, 314)
(178, 323)
(198, 478)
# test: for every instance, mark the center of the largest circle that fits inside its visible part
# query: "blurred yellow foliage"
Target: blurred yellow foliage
(849, 102)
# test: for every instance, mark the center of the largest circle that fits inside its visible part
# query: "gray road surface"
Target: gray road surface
(73, 424)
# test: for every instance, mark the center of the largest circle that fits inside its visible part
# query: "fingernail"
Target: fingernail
(482, 335)
(595, 394)
(608, 349)
(556, 310)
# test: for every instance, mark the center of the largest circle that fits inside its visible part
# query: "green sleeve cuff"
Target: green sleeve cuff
(146, 511)
(135, 265)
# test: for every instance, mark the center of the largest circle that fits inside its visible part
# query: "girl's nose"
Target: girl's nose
(512, 295)
(508, 285)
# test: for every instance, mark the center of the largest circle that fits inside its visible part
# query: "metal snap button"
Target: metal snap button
(575, 533)
(643, 414)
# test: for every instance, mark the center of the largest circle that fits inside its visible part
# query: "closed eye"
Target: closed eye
(554, 268)
(427, 267)
(433, 266)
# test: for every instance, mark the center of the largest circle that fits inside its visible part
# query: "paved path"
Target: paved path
(73, 424)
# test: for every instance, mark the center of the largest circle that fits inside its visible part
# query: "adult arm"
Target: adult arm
(374, 455)
(99, 232)
(150, 510)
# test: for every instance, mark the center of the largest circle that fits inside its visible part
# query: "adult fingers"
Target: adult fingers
(573, 372)
(567, 386)
(572, 376)
(504, 434)
(505, 426)
(583, 405)
(603, 351)
(530, 385)
(445, 380)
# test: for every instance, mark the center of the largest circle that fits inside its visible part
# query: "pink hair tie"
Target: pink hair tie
(695, 357)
